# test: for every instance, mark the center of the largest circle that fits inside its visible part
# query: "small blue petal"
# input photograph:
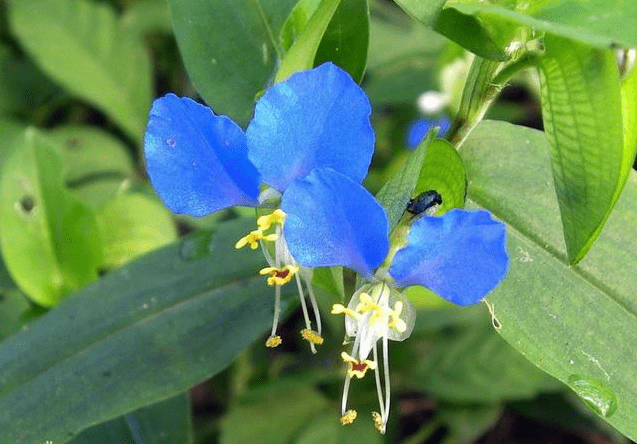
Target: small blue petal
(197, 161)
(314, 119)
(419, 128)
(461, 256)
(332, 220)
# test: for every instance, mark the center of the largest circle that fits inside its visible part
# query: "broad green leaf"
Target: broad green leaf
(12, 134)
(230, 49)
(131, 225)
(89, 154)
(346, 39)
(467, 362)
(599, 23)
(50, 240)
(143, 333)
(165, 422)
(574, 322)
(273, 414)
(581, 109)
(443, 171)
(304, 50)
(395, 194)
(83, 46)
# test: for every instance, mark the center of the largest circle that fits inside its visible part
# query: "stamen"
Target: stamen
(276, 217)
(378, 421)
(311, 336)
(356, 367)
(348, 417)
(251, 238)
(273, 341)
(279, 276)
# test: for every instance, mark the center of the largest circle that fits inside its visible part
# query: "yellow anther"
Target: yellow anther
(348, 417)
(280, 276)
(357, 368)
(398, 324)
(378, 421)
(251, 238)
(341, 309)
(273, 341)
(311, 336)
(265, 222)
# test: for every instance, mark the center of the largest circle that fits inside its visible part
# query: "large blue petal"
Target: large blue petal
(197, 161)
(332, 220)
(314, 119)
(461, 256)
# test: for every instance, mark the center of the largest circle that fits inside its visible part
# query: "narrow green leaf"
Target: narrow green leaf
(395, 194)
(296, 21)
(230, 49)
(143, 333)
(83, 46)
(443, 171)
(346, 39)
(50, 241)
(165, 422)
(303, 52)
(131, 225)
(572, 322)
(581, 109)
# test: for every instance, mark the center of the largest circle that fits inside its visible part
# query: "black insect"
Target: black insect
(425, 202)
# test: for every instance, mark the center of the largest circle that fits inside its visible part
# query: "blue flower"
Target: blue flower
(461, 256)
(199, 162)
(419, 128)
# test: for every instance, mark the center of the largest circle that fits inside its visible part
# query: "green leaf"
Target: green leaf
(166, 422)
(395, 194)
(304, 50)
(463, 29)
(23, 87)
(583, 122)
(466, 362)
(90, 154)
(50, 241)
(325, 428)
(83, 46)
(346, 39)
(131, 225)
(147, 16)
(296, 21)
(143, 333)
(599, 23)
(13, 306)
(230, 49)
(443, 171)
(273, 414)
(572, 322)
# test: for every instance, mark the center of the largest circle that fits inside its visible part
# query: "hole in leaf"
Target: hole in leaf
(73, 144)
(27, 204)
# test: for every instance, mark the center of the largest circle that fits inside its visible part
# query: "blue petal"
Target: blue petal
(314, 119)
(332, 220)
(197, 161)
(461, 256)
(419, 128)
